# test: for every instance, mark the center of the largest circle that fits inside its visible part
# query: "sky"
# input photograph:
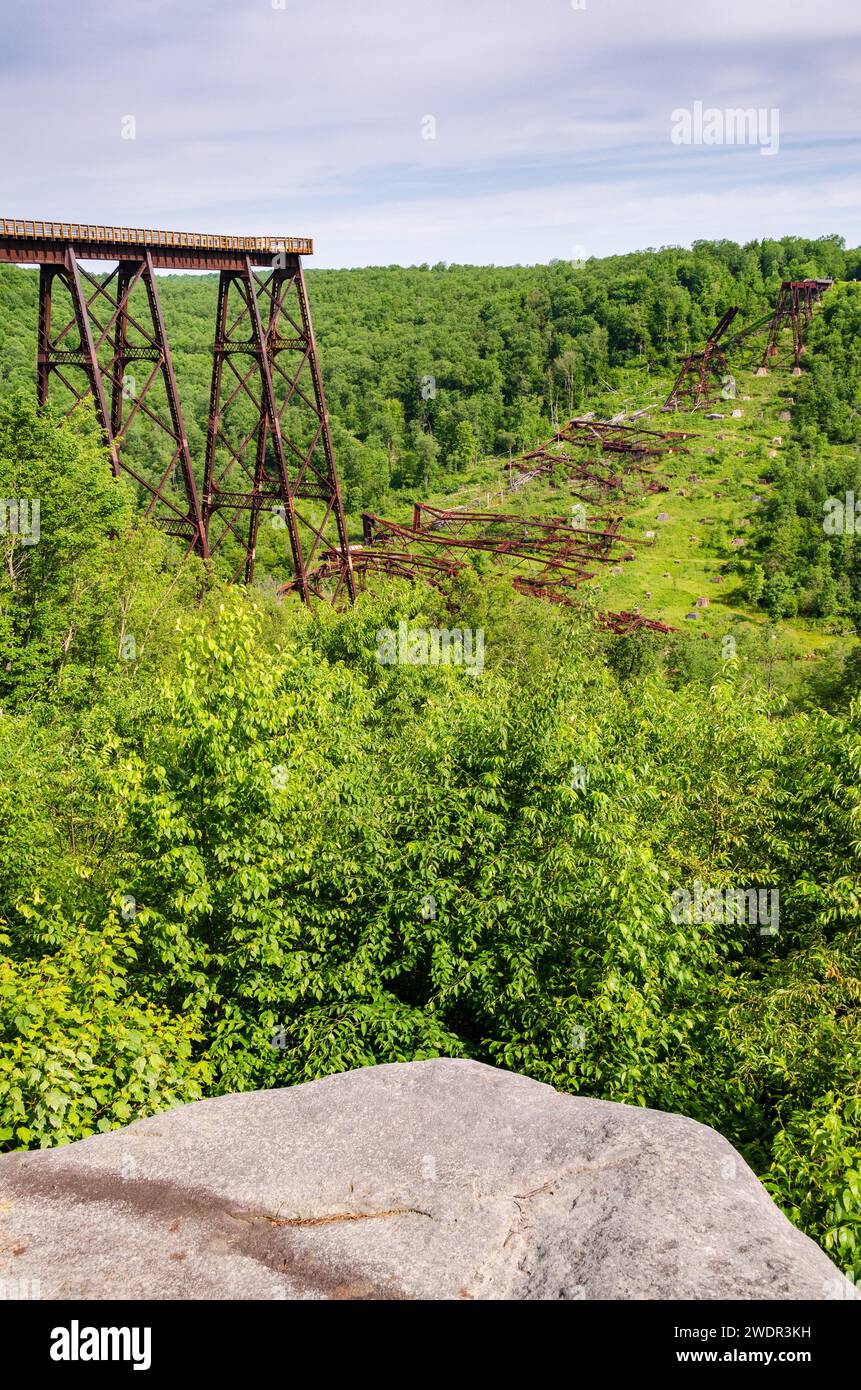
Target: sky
(410, 131)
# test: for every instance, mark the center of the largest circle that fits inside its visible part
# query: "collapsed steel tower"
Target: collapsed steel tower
(702, 372)
(552, 556)
(268, 448)
(634, 446)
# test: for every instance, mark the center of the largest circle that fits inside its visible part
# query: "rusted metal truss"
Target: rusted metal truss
(623, 623)
(553, 544)
(632, 447)
(555, 591)
(508, 534)
(538, 552)
(614, 436)
(553, 550)
(794, 309)
(102, 350)
(268, 448)
(368, 562)
(702, 372)
(588, 479)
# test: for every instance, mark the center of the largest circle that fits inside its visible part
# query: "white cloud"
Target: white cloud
(307, 120)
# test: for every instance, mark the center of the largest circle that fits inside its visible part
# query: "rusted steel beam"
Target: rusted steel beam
(162, 347)
(623, 623)
(28, 241)
(328, 479)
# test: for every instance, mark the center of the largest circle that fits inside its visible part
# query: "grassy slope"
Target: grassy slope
(685, 559)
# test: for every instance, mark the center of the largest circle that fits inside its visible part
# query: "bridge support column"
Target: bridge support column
(110, 338)
(268, 449)
(794, 306)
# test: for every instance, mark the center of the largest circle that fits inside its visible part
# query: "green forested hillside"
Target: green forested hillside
(431, 371)
(500, 349)
(238, 849)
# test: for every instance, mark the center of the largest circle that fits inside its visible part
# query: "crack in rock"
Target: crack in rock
(330, 1217)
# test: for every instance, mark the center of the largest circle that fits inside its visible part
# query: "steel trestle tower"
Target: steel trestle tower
(268, 445)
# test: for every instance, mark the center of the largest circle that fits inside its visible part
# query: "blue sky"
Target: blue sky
(552, 123)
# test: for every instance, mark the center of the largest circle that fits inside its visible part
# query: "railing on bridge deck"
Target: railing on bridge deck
(147, 236)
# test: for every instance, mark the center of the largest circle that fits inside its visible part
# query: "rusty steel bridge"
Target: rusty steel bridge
(268, 446)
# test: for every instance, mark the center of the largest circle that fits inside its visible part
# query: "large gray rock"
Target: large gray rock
(441, 1179)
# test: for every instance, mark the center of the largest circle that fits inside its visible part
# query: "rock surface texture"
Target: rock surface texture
(440, 1179)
